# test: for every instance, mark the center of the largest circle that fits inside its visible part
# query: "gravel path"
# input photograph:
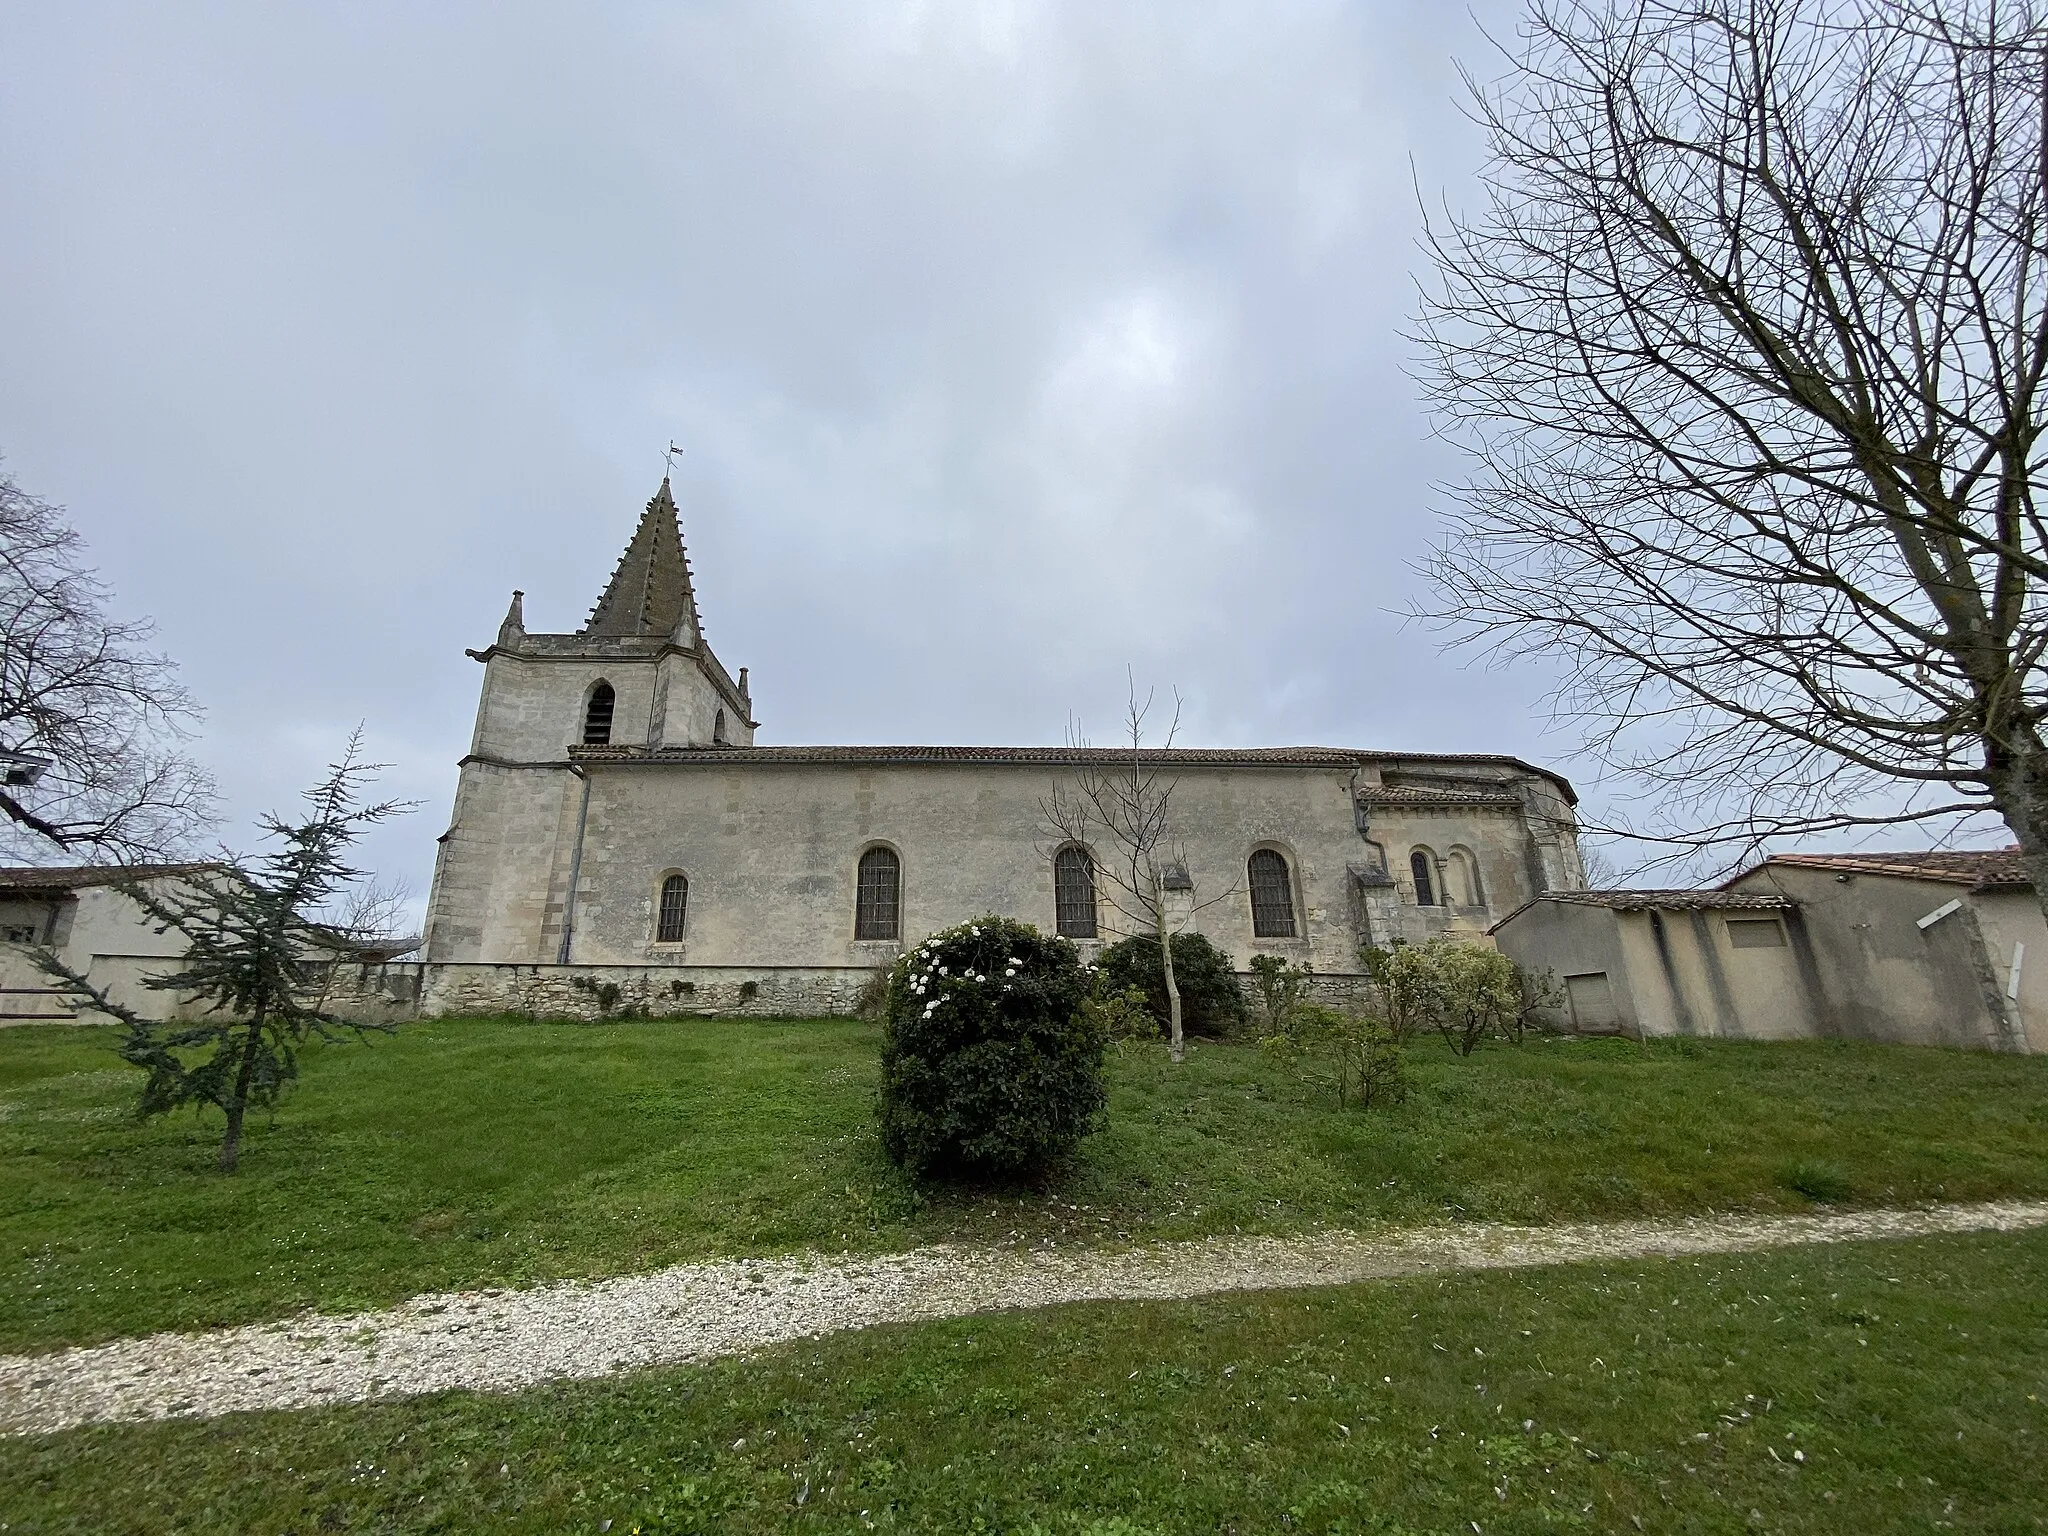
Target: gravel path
(499, 1341)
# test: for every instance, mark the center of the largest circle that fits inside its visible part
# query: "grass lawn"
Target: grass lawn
(1866, 1388)
(460, 1153)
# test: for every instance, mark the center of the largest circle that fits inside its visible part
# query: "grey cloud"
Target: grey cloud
(1008, 343)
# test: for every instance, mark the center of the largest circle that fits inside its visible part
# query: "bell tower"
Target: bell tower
(637, 680)
(642, 650)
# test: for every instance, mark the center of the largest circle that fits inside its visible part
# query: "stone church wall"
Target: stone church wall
(504, 863)
(770, 851)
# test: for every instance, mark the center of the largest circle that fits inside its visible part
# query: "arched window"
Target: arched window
(1073, 894)
(1272, 896)
(878, 900)
(675, 907)
(718, 730)
(597, 716)
(1425, 886)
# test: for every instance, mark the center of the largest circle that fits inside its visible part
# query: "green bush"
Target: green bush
(1279, 987)
(1466, 992)
(1211, 1001)
(991, 1066)
(1354, 1053)
(1124, 1017)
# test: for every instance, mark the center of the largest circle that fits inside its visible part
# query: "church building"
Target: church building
(618, 833)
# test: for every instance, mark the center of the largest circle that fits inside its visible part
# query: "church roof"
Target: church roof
(650, 592)
(1109, 757)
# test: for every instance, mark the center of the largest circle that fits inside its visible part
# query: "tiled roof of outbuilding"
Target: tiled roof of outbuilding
(1668, 901)
(1658, 901)
(58, 878)
(1978, 868)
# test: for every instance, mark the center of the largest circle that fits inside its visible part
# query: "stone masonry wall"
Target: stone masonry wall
(387, 994)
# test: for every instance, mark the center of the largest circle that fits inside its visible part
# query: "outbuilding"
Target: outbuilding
(1944, 947)
(80, 914)
(1669, 962)
(1926, 948)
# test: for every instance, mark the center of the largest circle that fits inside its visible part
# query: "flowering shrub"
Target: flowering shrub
(990, 1064)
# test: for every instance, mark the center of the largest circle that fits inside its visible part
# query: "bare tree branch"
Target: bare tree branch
(91, 721)
(1747, 347)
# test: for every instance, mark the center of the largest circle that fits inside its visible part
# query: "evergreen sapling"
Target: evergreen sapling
(253, 959)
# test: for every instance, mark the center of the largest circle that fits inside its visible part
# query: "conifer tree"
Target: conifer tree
(255, 944)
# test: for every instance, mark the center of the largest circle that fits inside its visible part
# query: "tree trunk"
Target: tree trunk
(238, 1105)
(1175, 1046)
(2018, 780)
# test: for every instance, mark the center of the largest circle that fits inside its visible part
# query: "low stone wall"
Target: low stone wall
(1347, 991)
(369, 994)
(389, 994)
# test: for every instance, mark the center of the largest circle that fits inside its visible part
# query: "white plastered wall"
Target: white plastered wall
(105, 937)
(2014, 928)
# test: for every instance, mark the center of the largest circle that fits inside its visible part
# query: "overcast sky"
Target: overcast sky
(1008, 344)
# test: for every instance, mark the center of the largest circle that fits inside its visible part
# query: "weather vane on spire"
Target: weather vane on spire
(668, 460)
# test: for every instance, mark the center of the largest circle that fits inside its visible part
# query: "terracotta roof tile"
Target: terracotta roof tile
(1177, 757)
(71, 877)
(1670, 901)
(1417, 795)
(1658, 901)
(1979, 868)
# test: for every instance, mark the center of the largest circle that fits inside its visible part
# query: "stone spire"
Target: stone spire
(513, 630)
(650, 591)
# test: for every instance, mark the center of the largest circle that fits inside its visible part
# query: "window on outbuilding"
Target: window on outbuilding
(675, 908)
(1425, 884)
(597, 715)
(1272, 895)
(1756, 933)
(1073, 893)
(878, 900)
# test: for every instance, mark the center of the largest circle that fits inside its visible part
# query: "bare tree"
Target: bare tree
(1123, 797)
(375, 918)
(1598, 866)
(91, 720)
(1747, 345)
